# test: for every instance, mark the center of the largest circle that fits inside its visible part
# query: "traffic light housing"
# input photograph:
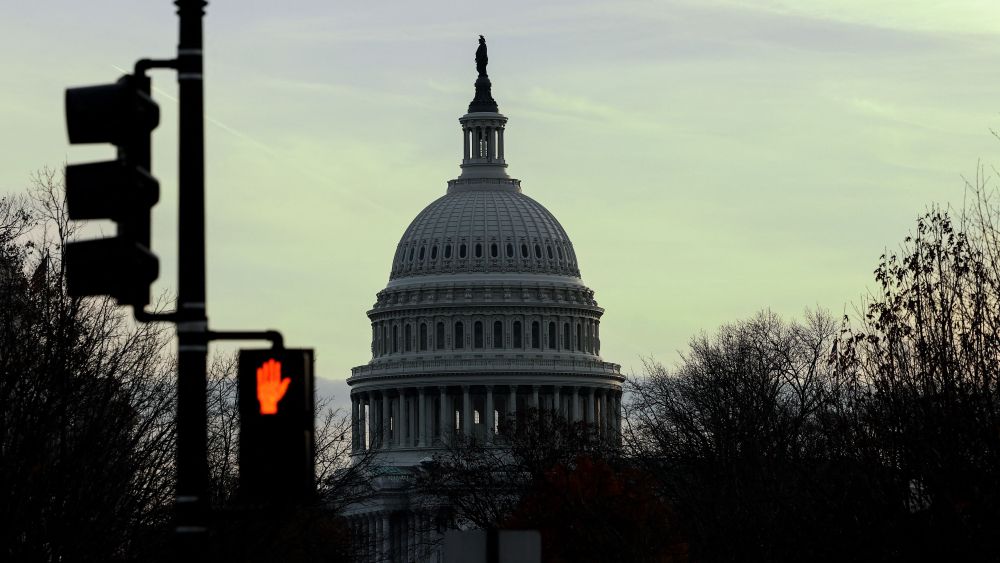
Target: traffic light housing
(123, 114)
(277, 412)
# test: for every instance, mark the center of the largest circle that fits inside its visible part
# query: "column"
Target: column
(556, 401)
(405, 414)
(500, 142)
(396, 419)
(413, 421)
(354, 423)
(368, 539)
(489, 417)
(618, 415)
(385, 428)
(421, 552)
(373, 537)
(590, 406)
(467, 421)
(602, 418)
(573, 405)
(465, 143)
(411, 544)
(444, 415)
(384, 537)
(512, 403)
(534, 397)
(422, 418)
(366, 420)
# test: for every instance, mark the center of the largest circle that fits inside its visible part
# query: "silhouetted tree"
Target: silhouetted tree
(86, 404)
(926, 359)
(87, 423)
(875, 441)
(741, 438)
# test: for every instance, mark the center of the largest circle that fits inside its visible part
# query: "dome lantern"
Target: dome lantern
(483, 128)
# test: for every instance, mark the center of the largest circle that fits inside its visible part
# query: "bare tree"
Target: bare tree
(925, 354)
(87, 412)
(86, 402)
(737, 436)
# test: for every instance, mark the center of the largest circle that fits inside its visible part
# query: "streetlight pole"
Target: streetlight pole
(192, 319)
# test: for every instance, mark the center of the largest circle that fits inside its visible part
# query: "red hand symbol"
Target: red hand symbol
(270, 387)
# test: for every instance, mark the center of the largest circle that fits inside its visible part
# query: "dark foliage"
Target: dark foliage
(875, 441)
(562, 479)
(86, 405)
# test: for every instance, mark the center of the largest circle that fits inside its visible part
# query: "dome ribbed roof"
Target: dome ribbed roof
(484, 228)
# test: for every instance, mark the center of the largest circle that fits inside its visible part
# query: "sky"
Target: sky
(708, 158)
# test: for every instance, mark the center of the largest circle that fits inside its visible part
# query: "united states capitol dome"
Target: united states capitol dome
(486, 226)
(484, 316)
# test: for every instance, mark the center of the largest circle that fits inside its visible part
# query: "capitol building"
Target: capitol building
(485, 316)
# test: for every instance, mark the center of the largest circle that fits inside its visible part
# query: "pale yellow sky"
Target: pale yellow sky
(707, 158)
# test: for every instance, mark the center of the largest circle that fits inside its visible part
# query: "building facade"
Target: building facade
(485, 315)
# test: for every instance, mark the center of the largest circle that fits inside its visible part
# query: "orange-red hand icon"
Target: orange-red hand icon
(270, 387)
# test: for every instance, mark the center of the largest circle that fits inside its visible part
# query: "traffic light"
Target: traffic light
(276, 426)
(122, 190)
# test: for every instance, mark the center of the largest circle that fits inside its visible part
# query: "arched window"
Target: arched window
(447, 251)
(434, 252)
(497, 334)
(517, 334)
(549, 250)
(566, 337)
(536, 335)
(477, 334)
(408, 338)
(579, 338)
(395, 339)
(524, 250)
(423, 337)
(538, 251)
(461, 251)
(439, 336)
(421, 255)
(510, 250)
(552, 336)
(479, 250)
(494, 251)
(459, 335)
(559, 249)
(411, 255)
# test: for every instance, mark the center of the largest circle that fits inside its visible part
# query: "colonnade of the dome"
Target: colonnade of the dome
(429, 416)
(483, 138)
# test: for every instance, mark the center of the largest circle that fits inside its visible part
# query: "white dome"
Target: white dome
(485, 226)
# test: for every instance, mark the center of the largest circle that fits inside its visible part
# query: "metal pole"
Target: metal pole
(192, 325)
